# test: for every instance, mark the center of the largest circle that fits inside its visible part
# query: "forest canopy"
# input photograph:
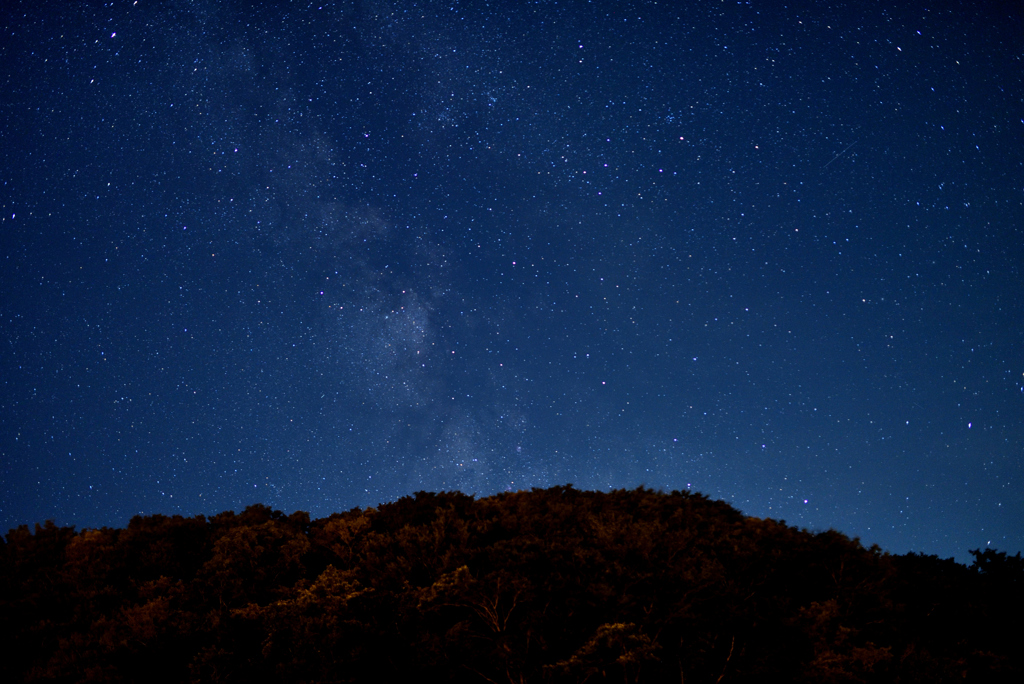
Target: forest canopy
(556, 585)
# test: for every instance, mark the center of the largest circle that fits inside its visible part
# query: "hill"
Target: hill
(554, 585)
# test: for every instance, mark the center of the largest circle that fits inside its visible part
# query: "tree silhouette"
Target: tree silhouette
(553, 585)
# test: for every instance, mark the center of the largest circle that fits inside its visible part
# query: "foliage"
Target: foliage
(554, 585)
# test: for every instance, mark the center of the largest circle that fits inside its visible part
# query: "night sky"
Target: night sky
(322, 256)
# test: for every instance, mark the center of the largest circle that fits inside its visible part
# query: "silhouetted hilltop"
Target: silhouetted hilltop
(554, 585)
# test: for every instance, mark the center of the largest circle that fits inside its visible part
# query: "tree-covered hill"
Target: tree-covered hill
(554, 585)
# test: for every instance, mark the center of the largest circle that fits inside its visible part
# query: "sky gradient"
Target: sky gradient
(325, 255)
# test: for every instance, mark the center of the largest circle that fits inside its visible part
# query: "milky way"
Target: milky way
(323, 256)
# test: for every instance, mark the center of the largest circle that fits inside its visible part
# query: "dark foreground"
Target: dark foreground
(552, 585)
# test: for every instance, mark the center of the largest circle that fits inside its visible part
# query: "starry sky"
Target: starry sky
(325, 255)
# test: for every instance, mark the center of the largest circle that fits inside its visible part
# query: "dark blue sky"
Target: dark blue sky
(325, 255)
